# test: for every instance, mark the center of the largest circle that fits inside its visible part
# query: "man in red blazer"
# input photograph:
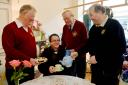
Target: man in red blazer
(19, 43)
(74, 37)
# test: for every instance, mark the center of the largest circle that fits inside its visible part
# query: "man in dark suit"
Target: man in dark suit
(106, 44)
(54, 54)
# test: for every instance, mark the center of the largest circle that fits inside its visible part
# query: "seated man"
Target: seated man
(54, 55)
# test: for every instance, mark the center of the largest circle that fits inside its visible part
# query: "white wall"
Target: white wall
(48, 13)
(4, 17)
(75, 9)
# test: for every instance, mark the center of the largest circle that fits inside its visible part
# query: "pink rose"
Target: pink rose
(15, 63)
(27, 63)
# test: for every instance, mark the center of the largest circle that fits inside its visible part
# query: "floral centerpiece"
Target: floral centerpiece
(18, 67)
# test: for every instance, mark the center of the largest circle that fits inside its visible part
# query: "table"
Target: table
(58, 80)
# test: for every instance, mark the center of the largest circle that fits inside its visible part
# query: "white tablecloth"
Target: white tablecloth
(58, 80)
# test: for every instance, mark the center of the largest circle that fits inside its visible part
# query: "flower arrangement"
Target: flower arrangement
(18, 73)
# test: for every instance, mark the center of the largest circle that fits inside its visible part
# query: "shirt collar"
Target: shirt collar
(72, 25)
(18, 23)
(103, 23)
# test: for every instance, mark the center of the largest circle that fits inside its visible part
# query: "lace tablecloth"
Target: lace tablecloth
(58, 80)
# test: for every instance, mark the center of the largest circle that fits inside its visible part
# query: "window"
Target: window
(88, 1)
(115, 2)
(120, 11)
(86, 7)
(80, 2)
(81, 9)
(80, 13)
(121, 14)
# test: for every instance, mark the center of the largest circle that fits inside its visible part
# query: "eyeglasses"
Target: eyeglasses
(55, 40)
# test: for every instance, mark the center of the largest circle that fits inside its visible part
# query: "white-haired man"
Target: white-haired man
(74, 37)
(19, 43)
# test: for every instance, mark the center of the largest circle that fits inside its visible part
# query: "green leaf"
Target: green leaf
(19, 75)
(20, 70)
(13, 76)
(21, 78)
(25, 74)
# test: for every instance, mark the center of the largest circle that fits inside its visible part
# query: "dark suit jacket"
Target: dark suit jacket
(107, 44)
(53, 59)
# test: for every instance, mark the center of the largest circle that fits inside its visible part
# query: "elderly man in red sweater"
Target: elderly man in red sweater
(19, 43)
(74, 37)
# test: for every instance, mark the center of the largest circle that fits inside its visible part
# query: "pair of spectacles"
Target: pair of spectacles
(55, 41)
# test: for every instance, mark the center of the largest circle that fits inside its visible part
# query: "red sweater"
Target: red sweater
(75, 38)
(17, 43)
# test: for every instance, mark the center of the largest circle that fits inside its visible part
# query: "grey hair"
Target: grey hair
(26, 8)
(71, 14)
(108, 12)
(97, 8)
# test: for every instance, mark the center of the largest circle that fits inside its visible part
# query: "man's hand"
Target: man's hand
(125, 64)
(92, 60)
(51, 69)
(72, 50)
(33, 61)
(37, 74)
(74, 55)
